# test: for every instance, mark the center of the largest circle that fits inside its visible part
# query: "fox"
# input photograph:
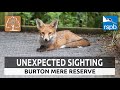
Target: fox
(51, 39)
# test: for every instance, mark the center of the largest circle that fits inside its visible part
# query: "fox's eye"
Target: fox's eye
(42, 32)
(50, 32)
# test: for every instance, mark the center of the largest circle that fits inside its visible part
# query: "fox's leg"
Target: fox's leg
(51, 47)
(75, 44)
(42, 48)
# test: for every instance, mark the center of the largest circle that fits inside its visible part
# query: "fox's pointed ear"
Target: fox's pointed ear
(39, 23)
(54, 23)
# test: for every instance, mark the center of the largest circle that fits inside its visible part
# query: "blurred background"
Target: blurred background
(66, 19)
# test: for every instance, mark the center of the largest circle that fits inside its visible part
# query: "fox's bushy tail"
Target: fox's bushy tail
(82, 42)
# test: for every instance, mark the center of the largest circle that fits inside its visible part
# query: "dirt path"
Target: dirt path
(25, 44)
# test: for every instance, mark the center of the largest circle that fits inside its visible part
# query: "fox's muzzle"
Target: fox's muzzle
(46, 39)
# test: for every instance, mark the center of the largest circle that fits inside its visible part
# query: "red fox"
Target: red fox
(50, 39)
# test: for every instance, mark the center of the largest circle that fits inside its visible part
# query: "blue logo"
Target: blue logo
(110, 23)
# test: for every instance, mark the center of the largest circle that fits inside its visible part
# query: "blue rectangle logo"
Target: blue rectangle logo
(110, 23)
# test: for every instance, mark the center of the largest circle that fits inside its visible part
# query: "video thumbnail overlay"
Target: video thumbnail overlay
(59, 66)
(12, 23)
(110, 23)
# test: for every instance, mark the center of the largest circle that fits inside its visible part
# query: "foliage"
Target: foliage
(26, 17)
(66, 19)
